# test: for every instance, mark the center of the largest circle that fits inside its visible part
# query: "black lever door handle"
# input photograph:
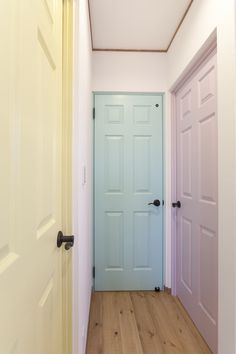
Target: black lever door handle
(176, 205)
(155, 202)
(68, 240)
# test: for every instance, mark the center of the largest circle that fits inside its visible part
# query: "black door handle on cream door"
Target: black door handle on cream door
(68, 240)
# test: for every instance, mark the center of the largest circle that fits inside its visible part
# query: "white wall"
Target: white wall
(130, 72)
(82, 193)
(200, 22)
(203, 18)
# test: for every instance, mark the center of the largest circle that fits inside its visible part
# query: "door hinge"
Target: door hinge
(93, 272)
(93, 112)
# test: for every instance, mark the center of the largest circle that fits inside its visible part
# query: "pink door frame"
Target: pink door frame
(209, 46)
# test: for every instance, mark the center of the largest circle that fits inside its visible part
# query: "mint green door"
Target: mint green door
(128, 176)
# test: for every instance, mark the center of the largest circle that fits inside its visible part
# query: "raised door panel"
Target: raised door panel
(114, 164)
(186, 251)
(142, 241)
(45, 320)
(186, 104)
(208, 266)
(142, 114)
(186, 163)
(207, 160)
(207, 84)
(142, 164)
(114, 114)
(114, 241)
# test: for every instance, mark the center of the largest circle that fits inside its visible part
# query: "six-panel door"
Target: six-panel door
(128, 176)
(197, 183)
(30, 184)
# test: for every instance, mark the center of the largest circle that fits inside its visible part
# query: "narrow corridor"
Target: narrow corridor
(141, 323)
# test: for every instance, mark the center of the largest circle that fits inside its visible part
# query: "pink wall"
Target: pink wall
(82, 190)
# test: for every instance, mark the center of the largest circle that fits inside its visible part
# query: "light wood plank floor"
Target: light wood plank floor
(141, 323)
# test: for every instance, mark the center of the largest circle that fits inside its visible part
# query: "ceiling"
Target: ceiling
(136, 25)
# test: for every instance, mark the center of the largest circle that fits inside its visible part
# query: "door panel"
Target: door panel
(141, 240)
(186, 150)
(30, 189)
(128, 175)
(114, 160)
(115, 239)
(186, 254)
(141, 163)
(197, 184)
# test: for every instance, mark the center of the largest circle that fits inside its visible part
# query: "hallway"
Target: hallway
(141, 323)
(118, 176)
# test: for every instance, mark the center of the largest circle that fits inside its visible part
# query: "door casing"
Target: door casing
(67, 75)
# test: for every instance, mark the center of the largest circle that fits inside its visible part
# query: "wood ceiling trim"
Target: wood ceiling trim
(129, 50)
(90, 23)
(137, 50)
(177, 29)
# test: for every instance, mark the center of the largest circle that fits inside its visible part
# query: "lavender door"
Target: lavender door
(197, 234)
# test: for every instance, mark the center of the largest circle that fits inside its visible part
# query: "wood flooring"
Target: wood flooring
(141, 323)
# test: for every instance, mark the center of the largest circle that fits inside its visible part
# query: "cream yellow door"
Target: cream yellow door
(30, 177)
